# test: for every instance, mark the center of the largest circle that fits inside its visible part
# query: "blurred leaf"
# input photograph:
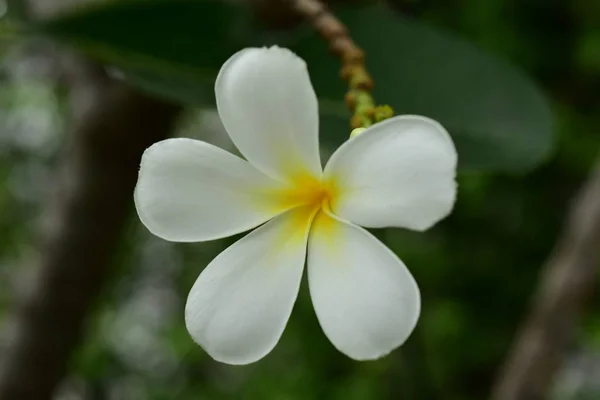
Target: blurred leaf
(588, 52)
(174, 48)
(497, 117)
(190, 90)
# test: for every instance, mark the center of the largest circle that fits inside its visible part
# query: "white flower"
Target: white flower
(398, 173)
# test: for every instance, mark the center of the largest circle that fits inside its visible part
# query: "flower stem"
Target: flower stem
(359, 98)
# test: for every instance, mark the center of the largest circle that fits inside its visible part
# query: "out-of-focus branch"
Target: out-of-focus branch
(115, 124)
(359, 98)
(567, 281)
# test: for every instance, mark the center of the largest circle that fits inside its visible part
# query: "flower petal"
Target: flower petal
(269, 108)
(240, 304)
(366, 300)
(400, 172)
(190, 191)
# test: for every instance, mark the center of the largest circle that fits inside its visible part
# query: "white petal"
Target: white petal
(190, 191)
(400, 172)
(240, 304)
(366, 301)
(269, 108)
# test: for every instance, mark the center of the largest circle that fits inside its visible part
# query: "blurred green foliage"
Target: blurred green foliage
(477, 269)
(498, 118)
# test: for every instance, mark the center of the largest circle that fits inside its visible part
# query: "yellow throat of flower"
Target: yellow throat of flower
(307, 196)
(307, 190)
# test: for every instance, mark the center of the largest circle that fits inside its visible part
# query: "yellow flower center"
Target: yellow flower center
(306, 190)
(306, 196)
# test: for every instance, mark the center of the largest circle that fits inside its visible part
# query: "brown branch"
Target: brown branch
(358, 98)
(88, 217)
(567, 282)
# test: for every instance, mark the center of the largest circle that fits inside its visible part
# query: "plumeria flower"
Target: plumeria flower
(397, 173)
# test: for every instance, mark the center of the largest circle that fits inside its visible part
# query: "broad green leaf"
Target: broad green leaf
(496, 115)
(174, 48)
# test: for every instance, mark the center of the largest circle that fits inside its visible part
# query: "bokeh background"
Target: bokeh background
(527, 123)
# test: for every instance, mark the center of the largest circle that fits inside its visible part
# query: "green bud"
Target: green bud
(357, 131)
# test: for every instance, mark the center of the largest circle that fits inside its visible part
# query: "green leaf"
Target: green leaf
(498, 118)
(173, 48)
(193, 90)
